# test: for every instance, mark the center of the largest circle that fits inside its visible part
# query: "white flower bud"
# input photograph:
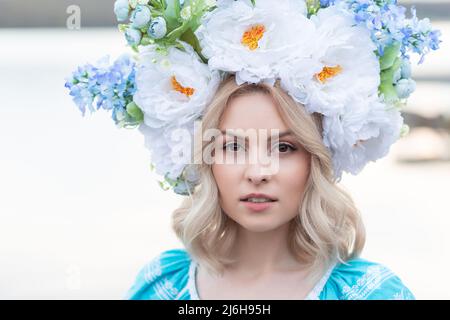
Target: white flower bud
(406, 69)
(157, 28)
(185, 13)
(405, 87)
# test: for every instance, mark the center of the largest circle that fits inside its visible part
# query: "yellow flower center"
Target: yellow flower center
(251, 37)
(328, 72)
(178, 87)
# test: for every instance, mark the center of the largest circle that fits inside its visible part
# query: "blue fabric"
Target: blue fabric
(166, 277)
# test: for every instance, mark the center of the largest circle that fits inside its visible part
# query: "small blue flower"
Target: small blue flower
(140, 16)
(181, 188)
(158, 28)
(133, 36)
(184, 188)
(405, 87)
(111, 87)
(121, 9)
(326, 3)
(388, 23)
(434, 39)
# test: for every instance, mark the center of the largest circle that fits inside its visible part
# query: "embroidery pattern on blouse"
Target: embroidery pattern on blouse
(315, 292)
(153, 271)
(403, 295)
(165, 290)
(369, 282)
(192, 286)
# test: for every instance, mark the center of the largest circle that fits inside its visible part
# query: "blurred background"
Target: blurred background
(81, 212)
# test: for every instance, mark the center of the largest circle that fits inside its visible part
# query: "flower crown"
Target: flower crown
(348, 60)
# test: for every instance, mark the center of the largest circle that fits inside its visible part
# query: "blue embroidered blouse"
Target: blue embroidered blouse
(172, 276)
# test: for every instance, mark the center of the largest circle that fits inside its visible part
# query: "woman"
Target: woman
(304, 245)
(328, 77)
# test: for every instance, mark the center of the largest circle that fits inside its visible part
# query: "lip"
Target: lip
(258, 195)
(258, 207)
(261, 206)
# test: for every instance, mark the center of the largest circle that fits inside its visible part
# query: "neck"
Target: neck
(260, 253)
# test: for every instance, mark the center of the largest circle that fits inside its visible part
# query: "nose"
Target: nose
(259, 167)
(257, 174)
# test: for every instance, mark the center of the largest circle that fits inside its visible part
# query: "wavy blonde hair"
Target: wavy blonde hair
(328, 227)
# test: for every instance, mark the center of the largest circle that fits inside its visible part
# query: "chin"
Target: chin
(263, 225)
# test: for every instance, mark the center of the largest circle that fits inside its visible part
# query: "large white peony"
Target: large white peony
(342, 65)
(255, 41)
(361, 132)
(170, 148)
(173, 88)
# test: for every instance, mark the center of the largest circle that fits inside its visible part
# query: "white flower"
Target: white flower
(343, 64)
(254, 41)
(362, 132)
(170, 148)
(173, 88)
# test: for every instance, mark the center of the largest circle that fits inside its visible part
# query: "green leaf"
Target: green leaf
(404, 131)
(122, 27)
(313, 6)
(388, 91)
(163, 186)
(386, 81)
(135, 48)
(190, 37)
(172, 14)
(169, 181)
(390, 54)
(134, 111)
(177, 32)
(388, 74)
(156, 4)
(146, 40)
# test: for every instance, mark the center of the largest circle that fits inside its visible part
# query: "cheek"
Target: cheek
(293, 175)
(226, 178)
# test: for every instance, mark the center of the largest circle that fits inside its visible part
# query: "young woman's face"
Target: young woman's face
(283, 180)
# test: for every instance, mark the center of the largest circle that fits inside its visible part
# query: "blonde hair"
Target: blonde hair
(328, 227)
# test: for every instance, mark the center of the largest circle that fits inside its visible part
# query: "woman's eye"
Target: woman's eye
(284, 147)
(233, 145)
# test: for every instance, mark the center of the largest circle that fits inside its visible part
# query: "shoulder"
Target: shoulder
(362, 279)
(164, 277)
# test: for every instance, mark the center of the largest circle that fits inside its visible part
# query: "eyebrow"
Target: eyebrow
(282, 134)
